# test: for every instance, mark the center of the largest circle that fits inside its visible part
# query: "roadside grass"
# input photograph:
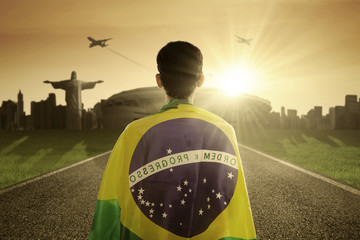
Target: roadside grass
(26, 154)
(333, 153)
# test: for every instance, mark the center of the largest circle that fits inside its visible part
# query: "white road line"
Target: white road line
(328, 180)
(50, 173)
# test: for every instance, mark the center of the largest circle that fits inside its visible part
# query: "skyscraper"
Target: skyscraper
(20, 114)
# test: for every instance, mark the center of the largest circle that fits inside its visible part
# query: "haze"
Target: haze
(305, 53)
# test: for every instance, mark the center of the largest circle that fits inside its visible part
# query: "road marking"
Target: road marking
(50, 173)
(328, 180)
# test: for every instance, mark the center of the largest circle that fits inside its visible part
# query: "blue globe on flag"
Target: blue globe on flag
(183, 174)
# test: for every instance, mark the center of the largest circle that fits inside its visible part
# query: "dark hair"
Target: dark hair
(180, 67)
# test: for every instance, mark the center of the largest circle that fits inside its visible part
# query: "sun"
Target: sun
(236, 80)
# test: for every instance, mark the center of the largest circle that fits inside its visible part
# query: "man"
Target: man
(177, 173)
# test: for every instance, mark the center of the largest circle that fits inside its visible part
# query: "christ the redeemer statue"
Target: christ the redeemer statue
(73, 88)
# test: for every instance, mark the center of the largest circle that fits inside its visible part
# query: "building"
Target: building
(20, 118)
(58, 116)
(313, 118)
(12, 115)
(348, 116)
(352, 114)
(274, 120)
(89, 120)
(41, 112)
(46, 115)
(293, 119)
(122, 108)
(7, 115)
(339, 117)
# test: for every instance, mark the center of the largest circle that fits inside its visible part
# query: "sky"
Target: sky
(302, 53)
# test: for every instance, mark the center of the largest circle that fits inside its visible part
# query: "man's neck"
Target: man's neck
(190, 98)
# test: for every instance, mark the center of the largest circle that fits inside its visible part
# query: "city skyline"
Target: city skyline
(304, 54)
(283, 109)
(125, 107)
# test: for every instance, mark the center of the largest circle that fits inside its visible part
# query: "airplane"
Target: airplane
(243, 40)
(98, 42)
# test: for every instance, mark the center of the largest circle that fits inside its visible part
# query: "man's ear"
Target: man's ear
(200, 81)
(158, 80)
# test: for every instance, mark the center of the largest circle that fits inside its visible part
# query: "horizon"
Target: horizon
(324, 111)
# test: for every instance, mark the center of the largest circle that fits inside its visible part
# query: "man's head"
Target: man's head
(180, 69)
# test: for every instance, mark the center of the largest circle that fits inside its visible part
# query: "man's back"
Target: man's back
(178, 174)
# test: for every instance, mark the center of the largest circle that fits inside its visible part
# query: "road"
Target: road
(286, 203)
(289, 204)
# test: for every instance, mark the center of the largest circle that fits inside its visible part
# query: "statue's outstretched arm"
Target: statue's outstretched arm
(89, 85)
(56, 84)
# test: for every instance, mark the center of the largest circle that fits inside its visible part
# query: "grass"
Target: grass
(26, 154)
(333, 153)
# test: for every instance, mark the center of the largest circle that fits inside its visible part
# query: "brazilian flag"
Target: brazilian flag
(175, 175)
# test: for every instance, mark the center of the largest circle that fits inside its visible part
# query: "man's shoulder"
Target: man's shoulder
(183, 111)
(137, 123)
(141, 125)
(209, 116)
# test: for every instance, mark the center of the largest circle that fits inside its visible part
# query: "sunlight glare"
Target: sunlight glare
(236, 80)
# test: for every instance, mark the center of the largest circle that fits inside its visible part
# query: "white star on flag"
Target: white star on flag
(201, 211)
(183, 202)
(186, 182)
(179, 188)
(139, 197)
(151, 211)
(141, 191)
(230, 175)
(204, 180)
(218, 195)
(169, 151)
(164, 215)
(147, 203)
